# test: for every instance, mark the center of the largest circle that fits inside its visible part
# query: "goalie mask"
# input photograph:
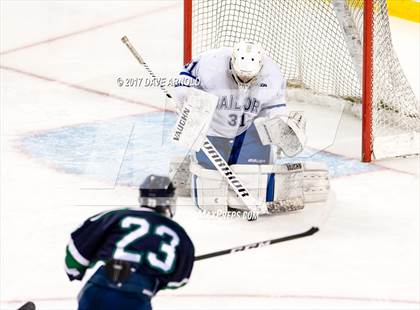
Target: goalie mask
(246, 63)
(158, 193)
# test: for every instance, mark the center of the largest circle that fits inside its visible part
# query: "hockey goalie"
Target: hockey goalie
(239, 93)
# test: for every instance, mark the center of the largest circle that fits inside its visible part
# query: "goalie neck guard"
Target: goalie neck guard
(158, 193)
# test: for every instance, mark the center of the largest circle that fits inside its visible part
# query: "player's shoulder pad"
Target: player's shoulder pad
(214, 63)
(271, 74)
(159, 218)
(107, 214)
(215, 54)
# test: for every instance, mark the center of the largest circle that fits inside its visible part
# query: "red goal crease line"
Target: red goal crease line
(92, 28)
(144, 104)
(83, 88)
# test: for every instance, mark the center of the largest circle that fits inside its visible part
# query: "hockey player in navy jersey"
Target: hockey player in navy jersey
(143, 249)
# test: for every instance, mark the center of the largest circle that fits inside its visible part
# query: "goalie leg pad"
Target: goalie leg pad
(316, 182)
(212, 193)
(179, 172)
(290, 186)
(293, 185)
(312, 178)
(208, 189)
(258, 179)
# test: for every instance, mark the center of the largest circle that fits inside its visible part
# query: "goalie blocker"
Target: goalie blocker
(293, 185)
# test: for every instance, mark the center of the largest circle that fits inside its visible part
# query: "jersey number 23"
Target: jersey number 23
(140, 228)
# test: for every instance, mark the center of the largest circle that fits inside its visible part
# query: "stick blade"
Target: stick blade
(28, 306)
(312, 231)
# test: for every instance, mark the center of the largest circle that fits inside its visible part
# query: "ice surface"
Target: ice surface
(73, 143)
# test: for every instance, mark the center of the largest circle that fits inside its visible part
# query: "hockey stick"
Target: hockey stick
(28, 306)
(219, 162)
(313, 230)
(260, 244)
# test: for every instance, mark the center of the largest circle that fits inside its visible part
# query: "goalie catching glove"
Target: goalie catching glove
(286, 132)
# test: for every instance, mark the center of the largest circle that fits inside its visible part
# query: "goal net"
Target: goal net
(318, 45)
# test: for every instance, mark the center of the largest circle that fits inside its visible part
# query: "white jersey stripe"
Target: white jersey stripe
(76, 255)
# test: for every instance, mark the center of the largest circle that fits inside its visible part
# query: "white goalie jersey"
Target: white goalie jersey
(237, 107)
(210, 81)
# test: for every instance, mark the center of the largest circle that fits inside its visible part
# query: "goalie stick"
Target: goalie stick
(218, 161)
(260, 244)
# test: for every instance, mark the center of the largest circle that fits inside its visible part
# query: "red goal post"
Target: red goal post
(367, 80)
(341, 48)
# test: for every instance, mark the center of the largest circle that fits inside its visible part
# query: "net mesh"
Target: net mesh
(307, 40)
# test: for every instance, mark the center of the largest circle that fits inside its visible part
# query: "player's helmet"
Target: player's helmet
(247, 59)
(158, 193)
